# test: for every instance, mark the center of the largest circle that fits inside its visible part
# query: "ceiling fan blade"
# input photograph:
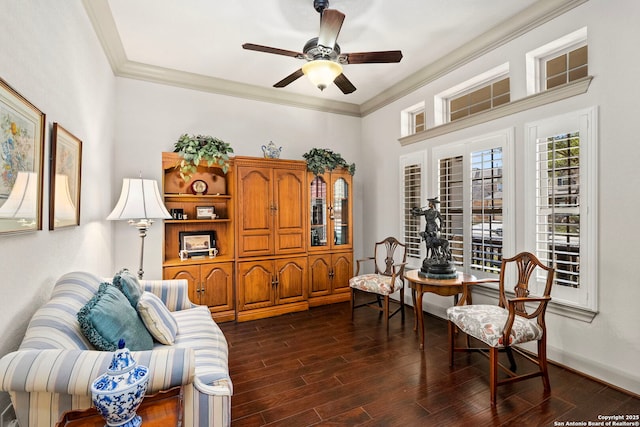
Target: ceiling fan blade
(371, 57)
(344, 84)
(330, 24)
(290, 78)
(267, 49)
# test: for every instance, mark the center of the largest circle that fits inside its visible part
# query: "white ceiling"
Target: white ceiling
(198, 43)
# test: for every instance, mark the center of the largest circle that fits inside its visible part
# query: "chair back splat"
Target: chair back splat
(389, 260)
(501, 328)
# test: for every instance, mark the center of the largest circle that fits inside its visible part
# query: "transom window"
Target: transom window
(558, 62)
(412, 119)
(567, 67)
(480, 99)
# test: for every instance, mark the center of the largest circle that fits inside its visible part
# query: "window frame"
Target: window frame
(585, 297)
(418, 159)
(408, 119)
(441, 100)
(504, 139)
(535, 59)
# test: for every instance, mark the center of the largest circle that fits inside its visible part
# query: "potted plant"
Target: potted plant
(320, 160)
(194, 149)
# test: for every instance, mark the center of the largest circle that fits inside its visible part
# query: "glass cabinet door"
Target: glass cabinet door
(318, 211)
(340, 212)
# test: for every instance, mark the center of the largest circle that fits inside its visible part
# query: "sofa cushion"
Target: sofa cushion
(128, 285)
(157, 318)
(108, 317)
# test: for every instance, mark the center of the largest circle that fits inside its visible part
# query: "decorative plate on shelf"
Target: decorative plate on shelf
(199, 187)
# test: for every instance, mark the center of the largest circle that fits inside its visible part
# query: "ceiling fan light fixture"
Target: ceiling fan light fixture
(322, 72)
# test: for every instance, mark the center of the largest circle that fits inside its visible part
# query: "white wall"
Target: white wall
(150, 118)
(50, 54)
(608, 347)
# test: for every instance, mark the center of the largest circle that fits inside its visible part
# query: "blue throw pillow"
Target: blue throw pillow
(128, 285)
(108, 317)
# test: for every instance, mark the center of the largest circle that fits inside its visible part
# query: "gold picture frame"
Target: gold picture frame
(21, 162)
(65, 179)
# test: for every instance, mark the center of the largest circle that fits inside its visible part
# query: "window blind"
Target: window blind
(558, 206)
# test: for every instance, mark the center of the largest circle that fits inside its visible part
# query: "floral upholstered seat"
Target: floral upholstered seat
(487, 322)
(389, 259)
(376, 283)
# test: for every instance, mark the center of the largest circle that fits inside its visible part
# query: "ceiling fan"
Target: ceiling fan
(323, 56)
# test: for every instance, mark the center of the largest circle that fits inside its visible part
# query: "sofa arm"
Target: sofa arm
(72, 371)
(174, 293)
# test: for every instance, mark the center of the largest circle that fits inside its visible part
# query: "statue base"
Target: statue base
(438, 269)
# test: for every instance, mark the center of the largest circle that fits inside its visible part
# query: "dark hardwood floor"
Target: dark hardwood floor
(318, 368)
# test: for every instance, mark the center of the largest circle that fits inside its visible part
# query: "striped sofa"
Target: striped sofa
(53, 368)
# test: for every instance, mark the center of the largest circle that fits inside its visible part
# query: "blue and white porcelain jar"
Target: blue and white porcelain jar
(118, 393)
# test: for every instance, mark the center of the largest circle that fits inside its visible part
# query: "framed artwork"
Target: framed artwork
(205, 212)
(21, 162)
(196, 243)
(64, 182)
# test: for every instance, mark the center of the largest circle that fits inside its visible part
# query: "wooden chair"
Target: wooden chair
(503, 326)
(389, 260)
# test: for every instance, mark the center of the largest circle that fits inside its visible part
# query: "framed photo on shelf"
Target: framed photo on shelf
(21, 162)
(64, 182)
(205, 212)
(197, 243)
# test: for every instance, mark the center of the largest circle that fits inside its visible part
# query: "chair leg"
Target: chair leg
(451, 342)
(353, 301)
(542, 360)
(493, 374)
(402, 303)
(386, 312)
(512, 360)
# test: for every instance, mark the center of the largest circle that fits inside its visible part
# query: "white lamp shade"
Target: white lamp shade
(22, 202)
(322, 72)
(139, 199)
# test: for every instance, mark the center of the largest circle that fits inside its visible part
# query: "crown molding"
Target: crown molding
(530, 18)
(104, 25)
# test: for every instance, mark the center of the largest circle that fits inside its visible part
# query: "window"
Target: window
(417, 121)
(566, 67)
(562, 193)
(412, 171)
(479, 99)
(559, 62)
(486, 209)
(474, 193)
(480, 93)
(412, 120)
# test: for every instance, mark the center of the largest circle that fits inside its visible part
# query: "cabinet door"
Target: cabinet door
(290, 199)
(341, 210)
(342, 271)
(255, 211)
(216, 289)
(291, 280)
(189, 272)
(319, 275)
(255, 285)
(318, 210)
